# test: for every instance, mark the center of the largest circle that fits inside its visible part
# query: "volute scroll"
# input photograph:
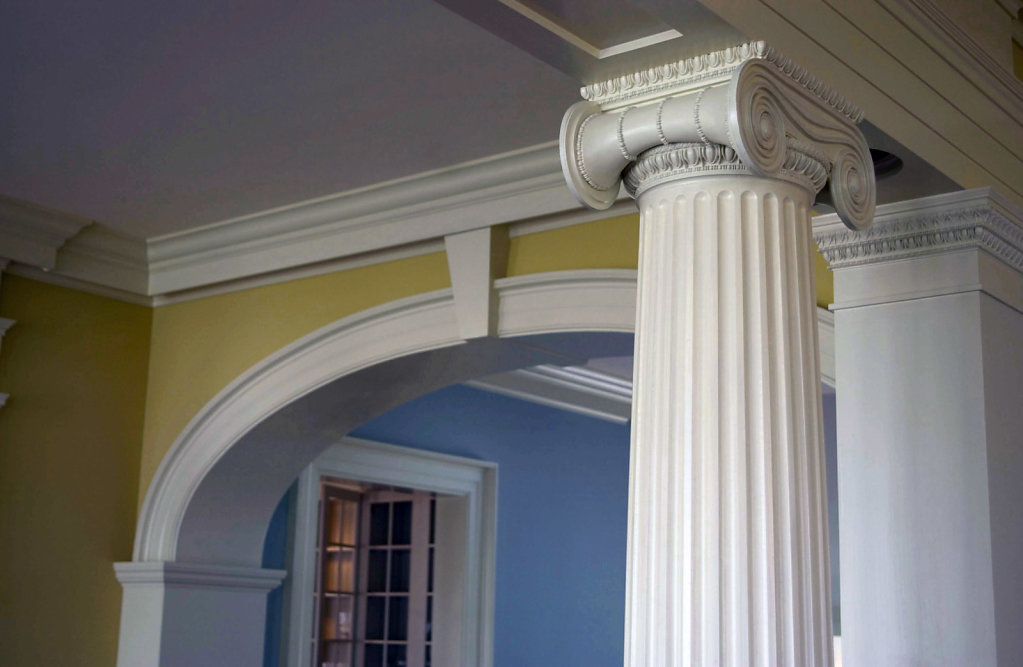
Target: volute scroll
(767, 115)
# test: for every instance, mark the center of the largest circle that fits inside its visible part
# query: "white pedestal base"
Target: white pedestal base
(192, 615)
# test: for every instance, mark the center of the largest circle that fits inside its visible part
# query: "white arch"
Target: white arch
(194, 593)
(568, 301)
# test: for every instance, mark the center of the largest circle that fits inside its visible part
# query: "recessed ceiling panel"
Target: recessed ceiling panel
(601, 39)
(601, 29)
(156, 121)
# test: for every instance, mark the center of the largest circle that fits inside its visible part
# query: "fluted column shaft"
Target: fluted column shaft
(727, 545)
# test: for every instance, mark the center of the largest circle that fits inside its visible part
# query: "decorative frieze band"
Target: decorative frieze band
(971, 219)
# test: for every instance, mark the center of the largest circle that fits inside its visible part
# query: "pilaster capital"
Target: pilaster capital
(946, 244)
(929, 226)
(198, 575)
(767, 115)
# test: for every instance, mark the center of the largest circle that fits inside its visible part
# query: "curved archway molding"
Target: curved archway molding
(560, 302)
(199, 536)
(194, 593)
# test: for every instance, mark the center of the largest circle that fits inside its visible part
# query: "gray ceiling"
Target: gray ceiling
(153, 118)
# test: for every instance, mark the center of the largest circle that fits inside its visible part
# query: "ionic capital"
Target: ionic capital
(754, 111)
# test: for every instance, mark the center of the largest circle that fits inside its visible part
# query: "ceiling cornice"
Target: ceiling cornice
(400, 218)
(100, 256)
(496, 190)
(32, 234)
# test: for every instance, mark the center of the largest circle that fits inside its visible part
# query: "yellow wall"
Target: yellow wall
(101, 389)
(605, 244)
(75, 366)
(200, 346)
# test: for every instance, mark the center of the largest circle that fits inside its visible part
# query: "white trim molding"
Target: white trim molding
(212, 496)
(576, 389)
(495, 190)
(396, 219)
(475, 259)
(602, 300)
(192, 598)
(102, 257)
(32, 234)
(568, 301)
(361, 340)
(469, 483)
(5, 324)
(198, 575)
(421, 331)
(971, 240)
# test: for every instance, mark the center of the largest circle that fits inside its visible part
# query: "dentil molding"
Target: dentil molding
(958, 243)
(746, 109)
(970, 219)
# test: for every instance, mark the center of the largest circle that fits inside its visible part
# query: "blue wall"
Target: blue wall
(561, 529)
(563, 484)
(275, 555)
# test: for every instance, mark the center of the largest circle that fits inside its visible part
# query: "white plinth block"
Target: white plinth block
(192, 615)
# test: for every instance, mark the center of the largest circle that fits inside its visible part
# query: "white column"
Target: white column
(728, 561)
(929, 361)
(727, 551)
(182, 614)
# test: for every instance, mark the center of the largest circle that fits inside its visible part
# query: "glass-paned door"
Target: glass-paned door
(336, 586)
(395, 566)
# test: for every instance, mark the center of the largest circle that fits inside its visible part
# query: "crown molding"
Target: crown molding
(496, 190)
(100, 256)
(300, 272)
(401, 218)
(969, 241)
(32, 234)
(979, 218)
(575, 389)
